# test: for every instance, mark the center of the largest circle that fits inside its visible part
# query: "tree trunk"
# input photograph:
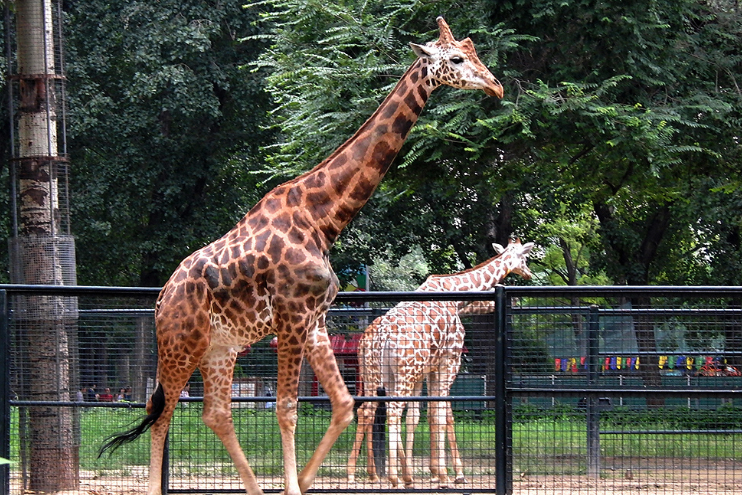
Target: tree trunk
(41, 253)
(633, 263)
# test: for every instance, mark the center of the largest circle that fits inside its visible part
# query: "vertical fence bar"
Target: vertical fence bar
(165, 481)
(4, 393)
(503, 434)
(593, 418)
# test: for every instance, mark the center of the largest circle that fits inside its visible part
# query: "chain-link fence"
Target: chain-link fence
(556, 390)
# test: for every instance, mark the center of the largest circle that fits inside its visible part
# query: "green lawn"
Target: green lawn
(540, 443)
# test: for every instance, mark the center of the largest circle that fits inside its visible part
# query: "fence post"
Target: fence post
(165, 480)
(503, 419)
(592, 403)
(4, 393)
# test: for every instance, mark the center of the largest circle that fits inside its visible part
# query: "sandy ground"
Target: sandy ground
(726, 479)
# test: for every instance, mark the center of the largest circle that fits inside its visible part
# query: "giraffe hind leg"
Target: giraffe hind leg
(158, 434)
(217, 368)
(458, 467)
(363, 432)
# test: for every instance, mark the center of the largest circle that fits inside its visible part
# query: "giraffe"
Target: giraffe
(271, 274)
(418, 341)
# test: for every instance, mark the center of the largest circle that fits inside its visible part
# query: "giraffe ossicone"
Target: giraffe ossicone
(423, 340)
(271, 274)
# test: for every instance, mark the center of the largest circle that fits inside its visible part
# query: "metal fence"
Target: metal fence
(560, 390)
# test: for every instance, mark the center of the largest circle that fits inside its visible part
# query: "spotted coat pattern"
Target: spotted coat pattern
(423, 340)
(270, 274)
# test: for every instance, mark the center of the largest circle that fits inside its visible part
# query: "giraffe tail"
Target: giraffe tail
(378, 434)
(157, 403)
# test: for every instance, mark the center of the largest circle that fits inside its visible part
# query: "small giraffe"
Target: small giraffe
(271, 274)
(418, 341)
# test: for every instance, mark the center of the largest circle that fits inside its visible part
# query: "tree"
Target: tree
(165, 130)
(615, 106)
(40, 251)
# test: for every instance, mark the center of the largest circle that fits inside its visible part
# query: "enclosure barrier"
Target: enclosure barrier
(579, 390)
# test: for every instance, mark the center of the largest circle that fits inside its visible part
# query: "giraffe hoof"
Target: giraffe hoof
(351, 478)
(460, 480)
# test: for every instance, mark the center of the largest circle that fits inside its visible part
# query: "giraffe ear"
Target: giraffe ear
(527, 248)
(422, 50)
(498, 248)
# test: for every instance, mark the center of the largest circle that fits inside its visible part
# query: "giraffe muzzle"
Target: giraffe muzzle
(495, 89)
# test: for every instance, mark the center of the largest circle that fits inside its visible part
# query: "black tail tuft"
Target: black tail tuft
(378, 434)
(115, 441)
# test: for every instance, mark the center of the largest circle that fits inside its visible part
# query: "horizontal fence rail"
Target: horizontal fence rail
(579, 390)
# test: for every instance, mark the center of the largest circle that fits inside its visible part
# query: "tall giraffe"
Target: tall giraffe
(271, 274)
(423, 340)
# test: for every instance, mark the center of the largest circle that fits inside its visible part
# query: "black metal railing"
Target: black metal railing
(525, 387)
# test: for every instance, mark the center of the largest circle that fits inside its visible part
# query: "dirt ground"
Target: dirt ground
(669, 481)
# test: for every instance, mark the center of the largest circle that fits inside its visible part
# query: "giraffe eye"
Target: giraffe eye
(457, 60)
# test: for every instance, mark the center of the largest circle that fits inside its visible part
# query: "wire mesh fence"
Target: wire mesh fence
(550, 390)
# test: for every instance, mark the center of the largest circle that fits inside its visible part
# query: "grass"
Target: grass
(546, 440)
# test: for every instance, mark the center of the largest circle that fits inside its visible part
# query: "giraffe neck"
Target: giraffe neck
(482, 277)
(336, 189)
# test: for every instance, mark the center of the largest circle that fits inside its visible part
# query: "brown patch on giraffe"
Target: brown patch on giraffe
(359, 151)
(294, 256)
(402, 125)
(390, 111)
(401, 87)
(338, 161)
(315, 181)
(296, 237)
(257, 222)
(272, 205)
(412, 103)
(344, 214)
(320, 202)
(282, 222)
(295, 196)
(341, 185)
(423, 94)
(263, 263)
(211, 275)
(383, 154)
(247, 266)
(261, 240)
(362, 189)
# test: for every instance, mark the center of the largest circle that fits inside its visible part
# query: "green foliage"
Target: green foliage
(613, 114)
(617, 142)
(407, 275)
(164, 126)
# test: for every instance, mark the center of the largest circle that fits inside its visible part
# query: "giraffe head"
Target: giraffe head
(516, 257)
(456, 63)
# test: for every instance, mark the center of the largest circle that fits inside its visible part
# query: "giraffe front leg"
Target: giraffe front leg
(458, 466)
(394, 425)
(373, 473)
(322, 360)
(217, 367)
(412, 421)
(436, 419)
(289, 365)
